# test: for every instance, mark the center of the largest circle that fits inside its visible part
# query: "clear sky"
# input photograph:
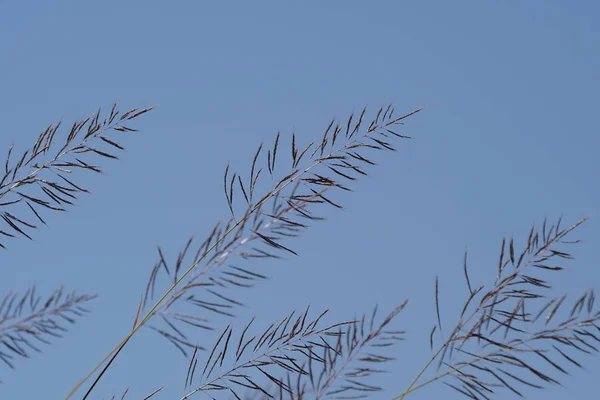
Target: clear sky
(509, 135)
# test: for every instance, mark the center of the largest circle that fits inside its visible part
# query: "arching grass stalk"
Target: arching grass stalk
(502, 309)
(114, 353)
(351, 143)
(413, 387)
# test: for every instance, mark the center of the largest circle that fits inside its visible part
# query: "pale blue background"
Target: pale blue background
(509, 136)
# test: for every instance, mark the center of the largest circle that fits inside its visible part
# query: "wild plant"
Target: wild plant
(510, 335)
(39, 181)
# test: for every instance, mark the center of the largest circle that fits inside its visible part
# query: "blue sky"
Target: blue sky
(508, 136)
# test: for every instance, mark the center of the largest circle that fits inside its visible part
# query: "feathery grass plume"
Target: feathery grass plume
(259, 233)
(316, 170)
(251, 358)
(38, 178)
(517, 334)
(342, 369)
(28, 320)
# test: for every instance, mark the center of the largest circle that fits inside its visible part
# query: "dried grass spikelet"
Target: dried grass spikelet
(294, 358)
(282, 212)
(38, 178)
(517, 333)
(317, 170)
(28, 320)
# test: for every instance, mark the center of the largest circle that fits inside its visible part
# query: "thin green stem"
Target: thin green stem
(414, 381)
(412, 387)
